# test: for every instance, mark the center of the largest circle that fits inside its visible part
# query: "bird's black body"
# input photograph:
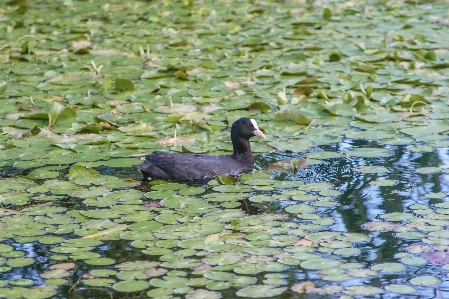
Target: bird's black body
(199, 167)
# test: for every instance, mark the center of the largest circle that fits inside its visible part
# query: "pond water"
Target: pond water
(335, 224)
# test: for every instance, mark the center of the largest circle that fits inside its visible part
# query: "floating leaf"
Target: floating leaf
(380, 116)
(303, 90)
(260, 291)
(77, 171)
(319, 264)
(425, 281)
(124, 84)
(3, 86)
(381, 183)
(372, 169)
(341, 110)
(437, 257)
(362, 290)
(294, 115)
(388, 267)
(366, 69)
(203, 294)
(400, 288)
(396, 216)
(131, 286)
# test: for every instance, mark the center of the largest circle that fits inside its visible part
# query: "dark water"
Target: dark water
(358, 203)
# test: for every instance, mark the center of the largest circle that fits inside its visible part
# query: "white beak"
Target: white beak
(257, 132)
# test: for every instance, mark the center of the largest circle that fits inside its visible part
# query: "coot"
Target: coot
(200, 167)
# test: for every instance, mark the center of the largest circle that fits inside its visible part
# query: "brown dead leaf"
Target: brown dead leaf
(106, 125)
(13, 131)
(14, 116)
(248, 83)
(302, 287)
(232, 85)
(306, 243)
(302, 163)
(4, 58)
(201, 267)
(80, 43)
(6, 212)
(65, 266)
(282, 166)
(152, 205)
(211, 239)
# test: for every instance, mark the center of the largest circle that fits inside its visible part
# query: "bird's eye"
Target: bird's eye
(247, 124)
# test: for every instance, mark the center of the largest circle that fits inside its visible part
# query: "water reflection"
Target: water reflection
(361, 202)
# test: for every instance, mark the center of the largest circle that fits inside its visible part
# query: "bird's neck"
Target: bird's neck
(242, 148)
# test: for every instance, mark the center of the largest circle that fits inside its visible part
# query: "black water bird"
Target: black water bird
(201, 167)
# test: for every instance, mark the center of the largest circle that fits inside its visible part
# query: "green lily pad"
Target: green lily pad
(323, 155)
(169, 282)
(220, 276)
(413, 260)
(219, 285)
(271, 266)
(372, 169)
(159, 292)
(436, 195)
(411, 235)
(319, 264)
(400, 288)
(363, 290)
(223, 258)
(203, 294)
(368, 152)
(20, 262)
(388, 267)
(428, 170)
(425, 281)
(131, 286)
(100, 261)
(347, 251)
(382, 183)
(99, 282)
(361, 272)
(396, 216)
(260, 291)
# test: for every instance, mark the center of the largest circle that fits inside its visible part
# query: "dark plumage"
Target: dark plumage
(199, 167)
